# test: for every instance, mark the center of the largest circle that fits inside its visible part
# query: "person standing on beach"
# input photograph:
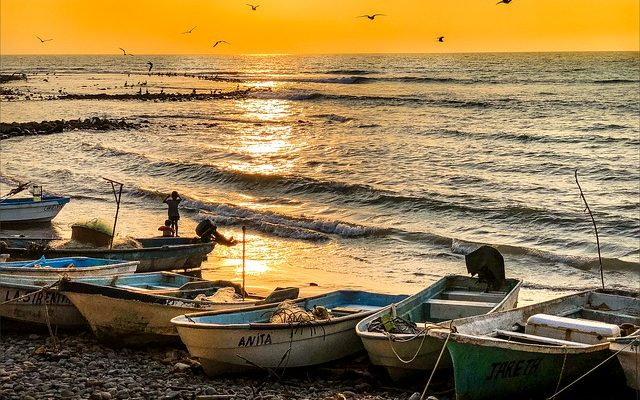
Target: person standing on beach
(172, 201)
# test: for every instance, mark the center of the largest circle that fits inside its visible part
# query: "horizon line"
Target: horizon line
(325, 54)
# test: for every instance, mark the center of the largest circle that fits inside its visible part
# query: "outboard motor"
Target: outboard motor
(205, 229)
(488, 263)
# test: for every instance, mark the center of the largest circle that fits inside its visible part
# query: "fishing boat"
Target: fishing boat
(136, 309)
(232, 341)
(28, 288)
(627, 349)
(541, 349)
(29, 210)
(156, 254)
(34, 300)
(396, 338)
(55, 268)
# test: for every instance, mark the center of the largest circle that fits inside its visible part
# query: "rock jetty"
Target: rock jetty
(9, 130)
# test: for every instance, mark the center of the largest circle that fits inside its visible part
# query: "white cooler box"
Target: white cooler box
(571, 329)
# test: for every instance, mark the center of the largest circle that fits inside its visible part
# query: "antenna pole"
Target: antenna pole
(244, 230)
(594, 227)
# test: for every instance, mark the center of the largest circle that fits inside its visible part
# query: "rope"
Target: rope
(444, 346)
(564, 361)
(32, 293)
(593, 369)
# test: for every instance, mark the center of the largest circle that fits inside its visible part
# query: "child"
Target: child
(172, 201)
(167, 230)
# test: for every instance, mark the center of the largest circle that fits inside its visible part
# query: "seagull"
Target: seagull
(43, 40)
(253, 8)
(150, 64)
(220, 41)
(372, 17)
(124, 53)
(190, 30)
(503, 1)
(440, 39)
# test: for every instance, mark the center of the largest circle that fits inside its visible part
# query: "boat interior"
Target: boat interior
(592, 323)
(451, 303)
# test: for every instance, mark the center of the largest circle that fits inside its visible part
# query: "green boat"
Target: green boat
(544, 349)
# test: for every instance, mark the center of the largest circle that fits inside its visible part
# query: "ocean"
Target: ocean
(353, 171)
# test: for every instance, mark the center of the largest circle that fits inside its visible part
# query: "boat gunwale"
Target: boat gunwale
(186, 320)
(367, 335)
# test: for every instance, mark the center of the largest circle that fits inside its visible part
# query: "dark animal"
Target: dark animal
(488, 263)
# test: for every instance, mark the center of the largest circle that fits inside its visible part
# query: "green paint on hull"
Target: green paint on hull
(484, 372)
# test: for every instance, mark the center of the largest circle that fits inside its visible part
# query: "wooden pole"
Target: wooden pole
(244, 230)
(594, 227)
(117, 196)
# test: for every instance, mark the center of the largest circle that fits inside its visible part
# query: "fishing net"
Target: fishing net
(288, 312)
(390, 324)
(222, 295)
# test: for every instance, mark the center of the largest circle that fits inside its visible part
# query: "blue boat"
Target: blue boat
(55, 268)
(235, 340)
(28, 210)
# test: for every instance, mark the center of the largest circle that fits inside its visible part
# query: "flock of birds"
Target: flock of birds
(255, 8)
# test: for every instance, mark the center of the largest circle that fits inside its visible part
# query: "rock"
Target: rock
(415, 396)
(181, 367)
(105, 396)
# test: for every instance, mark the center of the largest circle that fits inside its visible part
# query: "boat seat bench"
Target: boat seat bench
(441, 309)
(535, 339)
(465, 295)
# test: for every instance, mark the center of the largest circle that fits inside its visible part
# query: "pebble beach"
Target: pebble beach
(81, 368)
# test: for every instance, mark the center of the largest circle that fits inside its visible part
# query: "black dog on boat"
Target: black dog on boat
(488, 263)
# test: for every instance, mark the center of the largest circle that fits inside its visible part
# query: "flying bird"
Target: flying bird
(190, 30)
(124, 52)
(253, 8)
(504, 1)
(440, 39)
(150, 64)
(220, 41)
(372, 17)
(43, 40)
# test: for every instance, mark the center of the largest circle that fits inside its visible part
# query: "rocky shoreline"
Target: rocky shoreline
(81, 368)
(14, 129)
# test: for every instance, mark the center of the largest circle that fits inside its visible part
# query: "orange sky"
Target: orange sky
(316, 26)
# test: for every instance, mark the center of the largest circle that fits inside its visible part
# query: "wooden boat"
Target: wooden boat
(156, 254)
(136, 309)
(627, 349)
(542, 348)
(28, 293)
(27, 210)
(55, 268)
(33, 300)
(454, 296)
(235, 340)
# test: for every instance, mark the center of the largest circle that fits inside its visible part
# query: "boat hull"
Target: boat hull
(241, 349)
(157, 254)
(7, 269)
(29, 307)
(407, 355)
(628, 353)
(15, 211)
(503, 372)
(242, 340)
(128, 322)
